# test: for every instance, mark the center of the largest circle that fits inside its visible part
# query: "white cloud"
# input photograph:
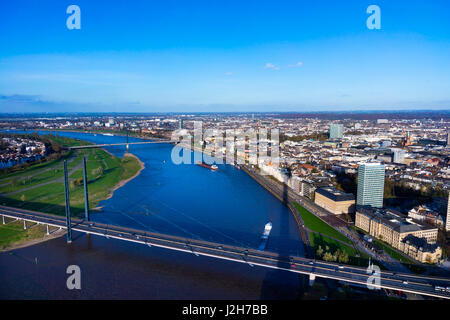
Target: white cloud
(271, 66)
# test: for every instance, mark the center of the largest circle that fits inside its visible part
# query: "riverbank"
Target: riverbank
(284, 198)
(13, 236)
(125, 181)
(44, 190)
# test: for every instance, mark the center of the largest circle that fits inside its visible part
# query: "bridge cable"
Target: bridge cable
(242, 244)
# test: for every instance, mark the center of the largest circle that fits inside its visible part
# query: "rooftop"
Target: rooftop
(392, 218)
(420, 243)
(335, 194)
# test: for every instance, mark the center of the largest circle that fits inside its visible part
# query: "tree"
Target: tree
(319, 251)
(343, 257)
(328, 256)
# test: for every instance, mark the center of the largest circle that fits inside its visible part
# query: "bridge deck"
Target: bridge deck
(395, 281)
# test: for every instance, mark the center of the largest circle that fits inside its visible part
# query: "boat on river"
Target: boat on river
(212, 167)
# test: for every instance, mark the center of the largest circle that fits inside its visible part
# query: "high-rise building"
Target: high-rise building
(447, 220)
(180, 124)
(448, 139)
(370, 185)
(398, 155)
(336, 131)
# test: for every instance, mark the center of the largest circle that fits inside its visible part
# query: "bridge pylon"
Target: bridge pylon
(86, 197)
(67, 197)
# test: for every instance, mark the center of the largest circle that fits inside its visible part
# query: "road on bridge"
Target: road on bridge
(425, 285)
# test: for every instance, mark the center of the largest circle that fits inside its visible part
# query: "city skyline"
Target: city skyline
(224, 57)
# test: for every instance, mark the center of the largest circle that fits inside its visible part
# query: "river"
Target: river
(224, 206)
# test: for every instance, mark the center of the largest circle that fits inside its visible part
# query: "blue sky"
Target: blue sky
(184, 56)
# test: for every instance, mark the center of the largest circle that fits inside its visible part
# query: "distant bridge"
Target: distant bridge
(424, 285)
(117, 144)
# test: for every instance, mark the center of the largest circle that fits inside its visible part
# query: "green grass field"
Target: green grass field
(325, 238)
(104, 171)
(315, 224)
(33, 189)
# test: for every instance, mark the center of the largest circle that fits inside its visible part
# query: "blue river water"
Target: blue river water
(187, 200)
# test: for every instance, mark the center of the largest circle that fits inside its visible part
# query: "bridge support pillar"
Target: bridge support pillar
(24, 225)
(312, 277)
(3, 219)
(48, 231)
(86, 198)
(67, 197)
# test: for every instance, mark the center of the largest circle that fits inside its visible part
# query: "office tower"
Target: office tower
(336, 131)
(448, 139)
(180, 124)
(370, 185)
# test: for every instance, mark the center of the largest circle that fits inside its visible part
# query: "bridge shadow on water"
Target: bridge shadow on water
(280, 284)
